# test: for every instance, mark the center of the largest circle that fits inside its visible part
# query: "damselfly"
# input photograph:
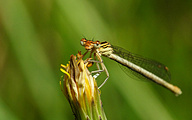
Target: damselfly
(141, 66)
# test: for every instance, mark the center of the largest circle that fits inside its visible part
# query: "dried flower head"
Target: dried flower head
(81, 90)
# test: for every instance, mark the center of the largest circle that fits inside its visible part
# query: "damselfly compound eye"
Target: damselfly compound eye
(97, 44)
(83, 41)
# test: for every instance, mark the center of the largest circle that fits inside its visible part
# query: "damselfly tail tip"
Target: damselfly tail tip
(177, 91)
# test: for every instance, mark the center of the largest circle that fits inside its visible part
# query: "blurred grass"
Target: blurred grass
(37, 36)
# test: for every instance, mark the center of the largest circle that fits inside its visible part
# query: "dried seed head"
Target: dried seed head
(81, 90)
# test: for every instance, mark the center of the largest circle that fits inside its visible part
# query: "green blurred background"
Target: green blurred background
(36, 36)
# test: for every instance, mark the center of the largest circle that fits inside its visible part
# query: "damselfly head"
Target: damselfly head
(88, 44)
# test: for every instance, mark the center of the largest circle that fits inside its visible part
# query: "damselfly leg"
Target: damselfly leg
(96, 57)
